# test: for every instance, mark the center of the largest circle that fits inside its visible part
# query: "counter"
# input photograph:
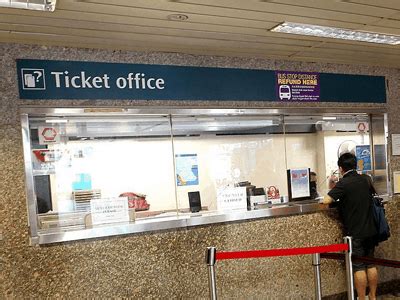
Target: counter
(170, 220)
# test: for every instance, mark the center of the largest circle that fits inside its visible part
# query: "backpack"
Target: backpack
(381, 223)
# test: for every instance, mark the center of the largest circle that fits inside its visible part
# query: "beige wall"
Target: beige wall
(168, 264)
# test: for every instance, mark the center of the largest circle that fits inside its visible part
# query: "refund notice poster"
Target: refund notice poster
(297, 86)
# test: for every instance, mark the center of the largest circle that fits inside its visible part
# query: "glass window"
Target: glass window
(105, 173)
(316, 142)
(228, 160)
(77, 161)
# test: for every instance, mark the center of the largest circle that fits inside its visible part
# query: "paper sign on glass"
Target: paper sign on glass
(231, 198)
(109, 210)
(395, 144)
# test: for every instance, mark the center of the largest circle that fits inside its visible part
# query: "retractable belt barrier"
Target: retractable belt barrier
(375, 261)
(213, 255)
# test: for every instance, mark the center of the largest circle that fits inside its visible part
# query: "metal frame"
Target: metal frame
(117, 110)
(316, 262)
(29, 181)
(349, 268)
(179, 220)
(212, 280)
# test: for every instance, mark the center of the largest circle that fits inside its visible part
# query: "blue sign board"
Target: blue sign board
(48, 79)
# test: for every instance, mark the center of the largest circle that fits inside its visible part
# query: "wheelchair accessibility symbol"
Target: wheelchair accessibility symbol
(33, 79)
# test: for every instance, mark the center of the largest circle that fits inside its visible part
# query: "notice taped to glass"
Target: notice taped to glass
(109, 210)
(297, 86)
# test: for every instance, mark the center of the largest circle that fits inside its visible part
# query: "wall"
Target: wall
(168, 264)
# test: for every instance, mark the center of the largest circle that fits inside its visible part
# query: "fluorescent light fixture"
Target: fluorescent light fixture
(56, 121)
(337, 33)
(45, 5)
(328, 118)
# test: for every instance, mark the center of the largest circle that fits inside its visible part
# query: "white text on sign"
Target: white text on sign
(137, 81)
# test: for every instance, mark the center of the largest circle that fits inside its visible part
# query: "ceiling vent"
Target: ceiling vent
(44, 5)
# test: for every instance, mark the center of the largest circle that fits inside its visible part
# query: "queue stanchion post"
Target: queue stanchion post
(210, 260)
(349, 269)
(316, 262)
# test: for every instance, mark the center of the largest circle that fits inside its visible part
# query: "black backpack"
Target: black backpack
(381, 223)
(378, 212)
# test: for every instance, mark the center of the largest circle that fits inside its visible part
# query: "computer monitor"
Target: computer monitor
(194, 201)
(299, 184)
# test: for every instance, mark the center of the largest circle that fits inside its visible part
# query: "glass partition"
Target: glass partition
(228, 160)
(98, 173)
(322, 139)
(77, 161)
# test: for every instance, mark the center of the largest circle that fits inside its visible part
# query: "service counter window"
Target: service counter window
(224, 162)
(100, 172)
(321, 140)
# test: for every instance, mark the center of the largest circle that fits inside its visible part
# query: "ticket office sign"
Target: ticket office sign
(52, 79)
(45, 79)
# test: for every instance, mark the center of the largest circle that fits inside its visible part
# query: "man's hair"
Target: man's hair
(347, 161)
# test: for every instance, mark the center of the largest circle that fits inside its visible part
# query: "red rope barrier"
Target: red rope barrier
(281, 252)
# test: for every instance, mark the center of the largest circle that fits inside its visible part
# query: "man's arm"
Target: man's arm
(332, 186)
(327, 199)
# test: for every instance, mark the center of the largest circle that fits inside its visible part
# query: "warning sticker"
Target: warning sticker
(48, 135)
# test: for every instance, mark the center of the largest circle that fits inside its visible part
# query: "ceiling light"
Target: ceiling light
(176, 17)
(45, 5)
(337, 33)
(328, 118)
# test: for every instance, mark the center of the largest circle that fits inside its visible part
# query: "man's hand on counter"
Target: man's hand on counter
(326, 200)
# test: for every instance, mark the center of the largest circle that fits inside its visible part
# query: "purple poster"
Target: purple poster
(297, 86)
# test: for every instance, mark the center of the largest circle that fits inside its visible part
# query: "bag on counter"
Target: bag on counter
(380, 219)
(136, 201)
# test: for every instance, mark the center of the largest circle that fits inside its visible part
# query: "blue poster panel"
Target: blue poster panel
(187, 170)
(363, 154)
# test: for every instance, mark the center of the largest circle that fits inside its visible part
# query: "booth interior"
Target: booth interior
(89, 169)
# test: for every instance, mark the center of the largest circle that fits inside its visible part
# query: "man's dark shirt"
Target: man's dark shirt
(355, 205)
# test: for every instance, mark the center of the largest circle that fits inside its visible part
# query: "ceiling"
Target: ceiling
(213, 27)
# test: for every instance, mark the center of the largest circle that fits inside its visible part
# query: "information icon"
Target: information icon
(33, 79)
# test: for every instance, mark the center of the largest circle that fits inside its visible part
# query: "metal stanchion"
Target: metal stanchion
(210, 260)
(316, 262)
(349, 269)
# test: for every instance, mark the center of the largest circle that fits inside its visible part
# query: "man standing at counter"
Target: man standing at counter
(353, 196)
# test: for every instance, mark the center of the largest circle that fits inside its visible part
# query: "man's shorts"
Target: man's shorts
(362, 247)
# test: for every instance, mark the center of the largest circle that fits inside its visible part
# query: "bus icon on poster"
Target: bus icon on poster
(284, 92)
